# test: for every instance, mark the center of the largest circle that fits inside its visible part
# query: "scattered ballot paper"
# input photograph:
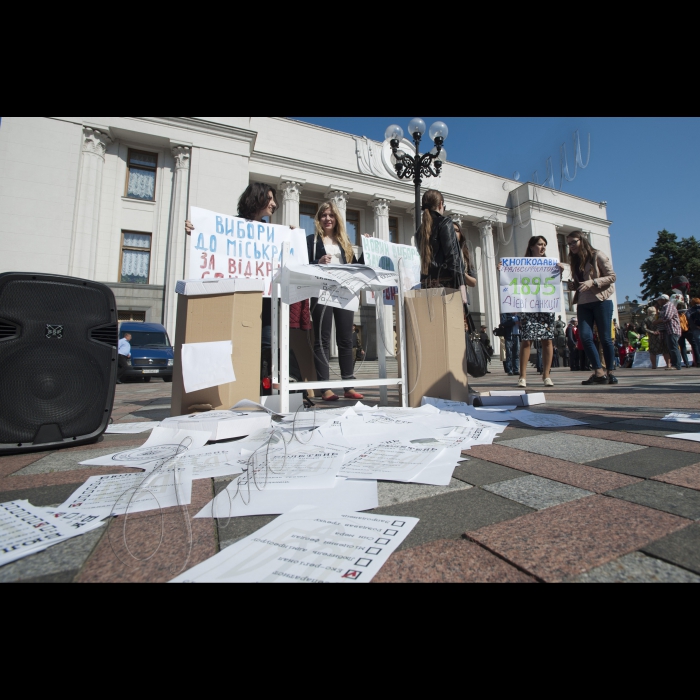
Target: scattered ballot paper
(130, 428)
(164, 444)
(26, 529)
(205, 365)
(118, 494)
(545, 420)
(346, 496)
(683, 417)
(308, 546)
(221, 425)
(213, 462)
(693, 437)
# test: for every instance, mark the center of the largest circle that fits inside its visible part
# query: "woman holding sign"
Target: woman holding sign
(594, 284)
(536, 326)
(330, 245)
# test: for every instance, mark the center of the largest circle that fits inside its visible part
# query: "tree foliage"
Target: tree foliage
(671, 258)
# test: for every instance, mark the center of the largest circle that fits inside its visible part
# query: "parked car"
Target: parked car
(151, 352)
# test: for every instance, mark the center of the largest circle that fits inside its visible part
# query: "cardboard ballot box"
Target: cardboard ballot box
(214, 311)
(510, 398)
(436, 346)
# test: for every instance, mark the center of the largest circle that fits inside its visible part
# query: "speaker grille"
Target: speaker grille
(7, 330)
(59, 369)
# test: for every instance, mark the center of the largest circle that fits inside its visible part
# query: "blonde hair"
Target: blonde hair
(340, 231)
(432, 200)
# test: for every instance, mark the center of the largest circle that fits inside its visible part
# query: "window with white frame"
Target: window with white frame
(135, 258)
(141, 178)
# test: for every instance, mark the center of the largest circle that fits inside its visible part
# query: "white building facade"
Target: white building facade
(106, 198)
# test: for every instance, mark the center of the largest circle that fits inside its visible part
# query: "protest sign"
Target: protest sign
(531, 285)
(224, 246)
(385, 255)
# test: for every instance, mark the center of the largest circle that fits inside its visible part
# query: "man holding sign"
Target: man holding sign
(531, 288)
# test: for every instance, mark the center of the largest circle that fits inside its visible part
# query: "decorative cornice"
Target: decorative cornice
(182, 155)
(485, 228)
(203, 127)
(339, 198)
(380, 206)
(95, 142)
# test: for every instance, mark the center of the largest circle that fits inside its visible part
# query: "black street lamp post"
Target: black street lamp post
(419, 166)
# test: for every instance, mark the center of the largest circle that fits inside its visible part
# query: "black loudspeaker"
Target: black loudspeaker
(58, 361)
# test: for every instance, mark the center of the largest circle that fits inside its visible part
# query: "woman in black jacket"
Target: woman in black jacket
(330, 245)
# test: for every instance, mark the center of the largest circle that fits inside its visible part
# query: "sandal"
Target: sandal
(353, 395)
(332, 397)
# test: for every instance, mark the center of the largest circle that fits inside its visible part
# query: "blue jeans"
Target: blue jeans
(600, 313)
(674, 350)
(512, 363)
(695, 344)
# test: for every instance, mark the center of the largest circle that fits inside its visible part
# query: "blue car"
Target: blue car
(151, 352)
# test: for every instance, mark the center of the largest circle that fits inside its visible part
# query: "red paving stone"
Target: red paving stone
(449, 561)
(576, 537)
(636, 439)
(15, 463)
(580, 475)
(687, 476)
(35, 481)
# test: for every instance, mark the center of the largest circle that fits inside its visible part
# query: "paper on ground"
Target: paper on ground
(499, 414)
(221, 425)
(213, 462)
(130, 428)
(683, 417)
(164, 444)
(26, 529)
(346, 496)
(545, 420)
(118, 494)
(205, 365)
(694, 437)
(308, 546)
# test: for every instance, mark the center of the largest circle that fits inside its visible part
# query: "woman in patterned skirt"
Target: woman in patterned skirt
(538, 326)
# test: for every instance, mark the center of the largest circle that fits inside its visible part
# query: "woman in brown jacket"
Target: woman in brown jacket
(594, 284)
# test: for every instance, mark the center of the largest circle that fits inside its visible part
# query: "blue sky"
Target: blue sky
(647, 169)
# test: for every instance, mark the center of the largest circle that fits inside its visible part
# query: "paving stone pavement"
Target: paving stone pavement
(611, 501)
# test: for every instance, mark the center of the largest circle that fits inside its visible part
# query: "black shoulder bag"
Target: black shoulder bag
(477, 357)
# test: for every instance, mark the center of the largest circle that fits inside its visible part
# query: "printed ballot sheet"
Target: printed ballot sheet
(164, 444)
(545, 420)
(130, 428)
(212, 462)
(205, 365)
(118, 494)
(683, 417)
(344, 496)
(499, 414)
(693, 437)
(26, 529)
(300, 468)
(308, 546)
(221, 425)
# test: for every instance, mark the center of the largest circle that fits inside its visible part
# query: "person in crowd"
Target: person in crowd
(536, 326)
(359, 353)
(685, 333)
(669, 315)
(594, 283)
(693, 316)
(486, 341)
(330, 245)
(656, 332)
(632, 335)
(124, 350)
(571, 342)
(623, 352)
(442, 261)
(511, 343)
(470, 272)
(258, 202)
(560, 346)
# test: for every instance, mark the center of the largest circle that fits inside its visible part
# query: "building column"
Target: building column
(414, 227)
(492, 299)
(177, 238)
(380, 205)
(291, 196)
(83, 253)
(340, 199)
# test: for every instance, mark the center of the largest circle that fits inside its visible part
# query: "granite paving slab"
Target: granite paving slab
(579, 475)
(647, 462)
(444, 517)
(478, 472)
(680, 548)
(573, 538)
(62, 462)
(667, 427)
(64, 558)
(689, 477)
(449, 561)
(666, 497)
(641, 439)
(148, 559)
(511, 433)
(637, 568)
(234, 530)
(11, 464)
(43, 497)
(536, 492)
(391, 493)
(154, 414)
(572, 448)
